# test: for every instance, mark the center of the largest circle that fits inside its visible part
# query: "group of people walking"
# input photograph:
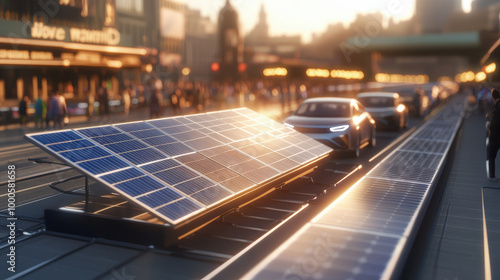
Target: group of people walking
(54, 111)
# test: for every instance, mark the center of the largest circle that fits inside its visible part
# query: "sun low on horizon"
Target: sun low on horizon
(305, 17)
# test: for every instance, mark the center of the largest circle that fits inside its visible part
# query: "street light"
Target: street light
(186, 71)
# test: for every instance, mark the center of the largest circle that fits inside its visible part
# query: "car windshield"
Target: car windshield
(324, 110)
(376, 101)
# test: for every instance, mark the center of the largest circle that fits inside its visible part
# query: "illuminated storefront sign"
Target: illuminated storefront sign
(23, 54)
(278, 71)
(106, 36)
(398, 78)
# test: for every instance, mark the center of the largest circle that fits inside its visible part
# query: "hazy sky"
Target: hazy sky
(306, 16)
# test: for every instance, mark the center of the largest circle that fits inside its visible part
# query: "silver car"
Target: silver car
(341, 123)
(386, 108)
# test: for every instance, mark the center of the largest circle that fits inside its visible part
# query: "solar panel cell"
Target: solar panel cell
(194, 185)
(165, 122)
(99, 131)
(175, 129)
(140, 186)
(143, 156)
(130, 127)
(103, 165)
(160, 165)
(110, 139)
(148, 133)
(57, 137)
(175, 175)
(159, 140)
(122, 176)
(158, 197)
(175, 149)
(211, 195)
(178, 209)
(85, 154)
(72, 145)
(126, 146)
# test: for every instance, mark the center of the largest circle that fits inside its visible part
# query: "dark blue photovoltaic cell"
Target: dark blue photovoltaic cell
(211, 195)
(103, 165)
(175, 149)
(140, 186)
(160, 197)
(160, 140)
(143, 134)
(160, 166)
(179, 209)
(123, 175)
(126, 146)
(57, 137)
(99, 131)
(110, 139)
(85, 154)
(175, 129)
(143, 156)
(165, 122)
(72, 145)
(175, 175)
(129, 127)
(193, 186)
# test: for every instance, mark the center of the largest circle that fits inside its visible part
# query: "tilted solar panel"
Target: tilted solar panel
(178, 167)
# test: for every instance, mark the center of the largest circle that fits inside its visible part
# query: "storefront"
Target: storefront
(74, 61)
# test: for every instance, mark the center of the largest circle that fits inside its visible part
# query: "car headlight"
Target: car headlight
(401, 108)
(289, 125)
(339, 128)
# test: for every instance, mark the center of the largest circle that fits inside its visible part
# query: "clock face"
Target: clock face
(231, 38)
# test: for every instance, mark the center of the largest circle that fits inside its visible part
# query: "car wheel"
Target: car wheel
(373, 139)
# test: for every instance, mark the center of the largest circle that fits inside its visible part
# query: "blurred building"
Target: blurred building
(483, 4)
(431, 16)
(172, 33)
(68, 45)
(230, 44)
(200, 45)
(266, 48)
(484, 16)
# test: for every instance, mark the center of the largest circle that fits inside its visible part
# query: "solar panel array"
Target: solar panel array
(362, 234)
(178, 167)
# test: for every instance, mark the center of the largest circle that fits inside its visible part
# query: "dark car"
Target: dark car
(341, 123)
(414, 98)
(385, 108)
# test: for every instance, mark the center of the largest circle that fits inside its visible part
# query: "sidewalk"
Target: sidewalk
(13, 134)
(467, 224)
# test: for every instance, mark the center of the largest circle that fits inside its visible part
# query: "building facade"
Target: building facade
(200, 45)
(71, 46)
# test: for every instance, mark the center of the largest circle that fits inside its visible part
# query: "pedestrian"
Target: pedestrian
(126, 101)
(155, 102)
(64, 109)
(493, 136)
(40, 112)
(23, 111)
(103, 98)
(57, 110)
